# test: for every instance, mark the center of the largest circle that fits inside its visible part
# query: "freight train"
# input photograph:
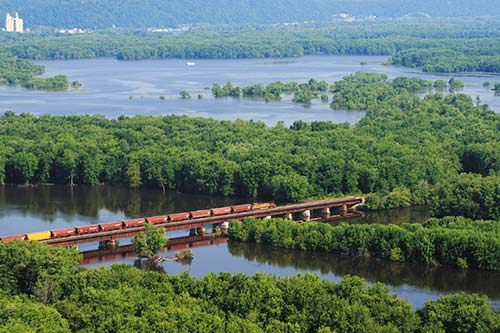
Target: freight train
(177, 217)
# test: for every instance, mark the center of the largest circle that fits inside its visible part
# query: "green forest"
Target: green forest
(147, 13)
(407, 150)
(454, 241)
(453, 45)
(42, 292)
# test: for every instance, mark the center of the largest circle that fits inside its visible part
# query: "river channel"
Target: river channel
(113, 88)
(52, 207)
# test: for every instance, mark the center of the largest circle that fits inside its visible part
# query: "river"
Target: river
(108, 85)
(52, 207)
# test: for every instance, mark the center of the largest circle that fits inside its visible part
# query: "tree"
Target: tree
(24, 263)
(150, 241)
(25, 164)
(185, 95)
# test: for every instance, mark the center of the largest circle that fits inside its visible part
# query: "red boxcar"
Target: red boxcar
(221, 211)
(134, 223)
(178, 217)
(242, 208)
(13, 238)
(87, 229)
(63, 233)
(111, 226)
(201, 213)
(157, 219)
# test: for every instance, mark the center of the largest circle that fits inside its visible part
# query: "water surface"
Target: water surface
(108, 85)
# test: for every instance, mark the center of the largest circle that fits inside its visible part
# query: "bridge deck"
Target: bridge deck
(202, 222)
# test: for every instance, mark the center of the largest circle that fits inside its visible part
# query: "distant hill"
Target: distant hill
(165, 13)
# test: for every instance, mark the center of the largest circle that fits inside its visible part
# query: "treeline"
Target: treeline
(452, 241)
(15, 71)
(157, 13)
(363, 91)
(302, 92)
(359, 91)
(43, 292)
(406, 147)
(435, 45)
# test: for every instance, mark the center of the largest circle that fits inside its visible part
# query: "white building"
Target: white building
(14, 24)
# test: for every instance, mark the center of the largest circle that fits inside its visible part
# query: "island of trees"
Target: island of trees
(15, 71)
(359, 91)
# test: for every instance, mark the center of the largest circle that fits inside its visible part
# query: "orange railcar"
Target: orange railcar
(134, 223)
(178, 217)
(63, 233)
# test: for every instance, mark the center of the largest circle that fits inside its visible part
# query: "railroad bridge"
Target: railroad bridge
(196, 222)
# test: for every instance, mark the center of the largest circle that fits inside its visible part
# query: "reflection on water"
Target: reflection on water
(442, 279)
(48, 207)
(394, 216)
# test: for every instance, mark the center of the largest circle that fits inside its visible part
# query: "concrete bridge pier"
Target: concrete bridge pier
(306, 215)
(201, 231)
(107, 244)
(224, 226)
(289, 216)
(192, 232)
(345, 210)
(325, 213)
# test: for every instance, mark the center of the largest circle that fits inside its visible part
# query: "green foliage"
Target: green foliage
(437, 45)
(150, 241)
(475, 244)
(124, 299)
(157, 13)
(25, 264)
(468, 195)
(22, 315)
(18, 71)
(227, 90)
(185, 95)
(400, 154)
(457, 313)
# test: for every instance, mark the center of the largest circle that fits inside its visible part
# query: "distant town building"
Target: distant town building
(14, 24)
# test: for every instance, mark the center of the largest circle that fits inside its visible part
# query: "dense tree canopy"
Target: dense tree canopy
(451, 241)
(125, 299)
(405, 143)
(105, 13)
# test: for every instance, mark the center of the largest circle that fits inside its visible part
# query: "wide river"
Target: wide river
(109, 84)
(53, 207)
(113, 88)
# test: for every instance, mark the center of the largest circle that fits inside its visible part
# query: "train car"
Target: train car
(13, 238)
(135, 223)
(221, 211)
(200, 213)
(38, 236)
(87, 229)
(241, 208)
(111, 226)
(264, 205)
(178, 217)
(63, 233)
(157, 219)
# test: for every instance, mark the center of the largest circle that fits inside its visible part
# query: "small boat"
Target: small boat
(189, 63)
